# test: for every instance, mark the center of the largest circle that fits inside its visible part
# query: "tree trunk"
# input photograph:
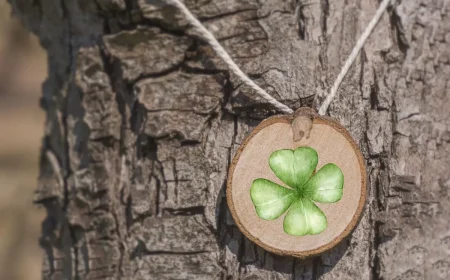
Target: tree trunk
(143, 119)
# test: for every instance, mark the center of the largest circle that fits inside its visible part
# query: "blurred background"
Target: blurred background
(23, 68)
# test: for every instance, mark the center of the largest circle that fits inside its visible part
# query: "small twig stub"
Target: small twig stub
(302, 123)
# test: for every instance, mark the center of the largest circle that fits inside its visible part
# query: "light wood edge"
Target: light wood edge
(356, 217)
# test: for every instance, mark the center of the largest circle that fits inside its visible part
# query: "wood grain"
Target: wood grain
(334, 145)
(145, 121)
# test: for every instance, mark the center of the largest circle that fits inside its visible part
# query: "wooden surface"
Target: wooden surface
(333, 145)
(145, 120)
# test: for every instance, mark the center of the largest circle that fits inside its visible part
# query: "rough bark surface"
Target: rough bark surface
(143, 119)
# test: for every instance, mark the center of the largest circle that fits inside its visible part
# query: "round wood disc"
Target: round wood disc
(333, 144)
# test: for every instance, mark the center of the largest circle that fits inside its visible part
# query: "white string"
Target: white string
(348, 63)
(226, 57)
(206, 35)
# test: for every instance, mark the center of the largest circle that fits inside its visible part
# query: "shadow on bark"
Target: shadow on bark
(251, 259)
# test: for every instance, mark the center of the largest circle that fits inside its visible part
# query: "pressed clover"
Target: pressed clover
(296, 168)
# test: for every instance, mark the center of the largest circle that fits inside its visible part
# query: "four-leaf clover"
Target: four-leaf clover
(296, 168)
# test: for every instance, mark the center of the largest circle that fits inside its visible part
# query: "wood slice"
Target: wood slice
(333, 144)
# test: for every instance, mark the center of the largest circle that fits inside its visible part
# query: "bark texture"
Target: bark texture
(143, 119)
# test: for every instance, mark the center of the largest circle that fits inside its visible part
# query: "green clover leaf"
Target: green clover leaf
(295, 168)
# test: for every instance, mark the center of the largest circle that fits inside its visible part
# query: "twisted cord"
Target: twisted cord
(208, 37)
(356, 49)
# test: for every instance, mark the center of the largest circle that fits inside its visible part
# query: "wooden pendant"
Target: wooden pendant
(297, 184)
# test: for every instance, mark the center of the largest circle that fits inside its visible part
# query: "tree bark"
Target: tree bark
(143, 119)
